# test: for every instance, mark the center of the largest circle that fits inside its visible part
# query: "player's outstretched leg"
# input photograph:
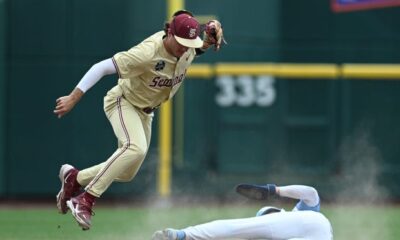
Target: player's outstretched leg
(169, 234)
(81, 208)
(69, 187)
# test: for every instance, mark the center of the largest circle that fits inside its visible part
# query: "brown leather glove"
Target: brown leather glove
(213, 35)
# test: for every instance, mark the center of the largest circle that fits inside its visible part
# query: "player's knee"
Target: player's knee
(126, 177)
(141, 152)
(130, 177)
(136, 151)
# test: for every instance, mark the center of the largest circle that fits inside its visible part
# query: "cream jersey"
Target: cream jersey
(148, 74)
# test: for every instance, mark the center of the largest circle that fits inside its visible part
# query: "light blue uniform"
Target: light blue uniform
(304, 222)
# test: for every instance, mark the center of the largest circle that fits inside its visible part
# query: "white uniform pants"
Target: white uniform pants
(298, 225)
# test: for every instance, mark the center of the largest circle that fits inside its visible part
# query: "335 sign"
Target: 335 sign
(245, 91)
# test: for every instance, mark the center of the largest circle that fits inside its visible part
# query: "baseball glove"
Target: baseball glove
(256, 192)
(213, 35)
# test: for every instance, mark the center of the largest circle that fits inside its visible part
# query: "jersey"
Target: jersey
(148, 74)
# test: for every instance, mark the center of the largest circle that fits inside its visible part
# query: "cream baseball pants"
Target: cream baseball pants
(132, 127)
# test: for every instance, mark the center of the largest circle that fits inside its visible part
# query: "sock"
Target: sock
(89, 197)
(76, 183)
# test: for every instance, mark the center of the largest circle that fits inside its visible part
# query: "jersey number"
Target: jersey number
(245, 91)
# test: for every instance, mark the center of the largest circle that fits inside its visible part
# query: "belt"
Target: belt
(148, 110)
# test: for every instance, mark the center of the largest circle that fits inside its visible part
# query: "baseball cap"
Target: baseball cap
(186, 30)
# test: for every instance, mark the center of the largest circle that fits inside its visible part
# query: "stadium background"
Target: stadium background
(314, 101)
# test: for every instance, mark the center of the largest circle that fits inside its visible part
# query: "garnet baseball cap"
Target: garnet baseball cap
(186, 30)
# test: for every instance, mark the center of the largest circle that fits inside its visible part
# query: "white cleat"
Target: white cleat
(67, 177)
(81, 210)
(166, 234)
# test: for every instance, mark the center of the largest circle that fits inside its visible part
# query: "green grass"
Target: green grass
(349, 223)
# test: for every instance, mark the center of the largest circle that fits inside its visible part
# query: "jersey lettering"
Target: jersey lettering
(167, 82)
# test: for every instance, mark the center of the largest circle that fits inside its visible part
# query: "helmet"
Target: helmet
(268, 209)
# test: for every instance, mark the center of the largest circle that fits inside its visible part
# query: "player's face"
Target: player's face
(175, 48)
(180, 49)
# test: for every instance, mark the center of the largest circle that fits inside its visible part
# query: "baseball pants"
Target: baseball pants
(132, 128)
(299, 225)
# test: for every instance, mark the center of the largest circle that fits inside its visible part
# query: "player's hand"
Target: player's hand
(256, 192)
(66, 103)
(63, 106)
(213, 35)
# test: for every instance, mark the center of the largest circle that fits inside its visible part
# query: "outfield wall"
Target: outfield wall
(281, 102)
(326, 125)
(3, 49)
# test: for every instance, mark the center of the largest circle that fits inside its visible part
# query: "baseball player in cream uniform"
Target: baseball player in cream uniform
(304, 222)
(150, 73)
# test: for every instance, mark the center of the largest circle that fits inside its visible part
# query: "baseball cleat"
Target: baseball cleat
(81, 210)
(169, 234)
(158, 236)
(69, 187)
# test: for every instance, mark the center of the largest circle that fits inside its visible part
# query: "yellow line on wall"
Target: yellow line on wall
(307, 70)
(165, 142)
(201, 71)
(245, 69)
(298, 70)
(371, 71)
(165, 127)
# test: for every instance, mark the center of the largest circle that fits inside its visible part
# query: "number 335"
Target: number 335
(245, 91)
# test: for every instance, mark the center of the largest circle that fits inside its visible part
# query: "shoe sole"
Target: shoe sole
(85, 226)
(63, 170)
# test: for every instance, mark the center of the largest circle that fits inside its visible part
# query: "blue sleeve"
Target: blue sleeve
(302, 206)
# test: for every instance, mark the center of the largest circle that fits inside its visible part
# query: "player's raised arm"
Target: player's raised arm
(307, 194)
(96, 72)
(262, 192)
(212, 36)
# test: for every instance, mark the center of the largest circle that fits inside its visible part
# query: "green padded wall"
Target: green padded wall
(51, 45)
(3, 91)
(306, 133)
(302, 130)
